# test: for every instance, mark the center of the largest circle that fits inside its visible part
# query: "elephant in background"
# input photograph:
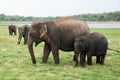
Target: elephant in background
(23, 32)
(58, 35)
(93, 44)
(12, 29)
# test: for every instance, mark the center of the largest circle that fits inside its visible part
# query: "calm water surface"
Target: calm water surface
(93, 25)
(104, 25)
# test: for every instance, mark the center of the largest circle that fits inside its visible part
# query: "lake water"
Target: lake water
(104, 25)
(92, 25)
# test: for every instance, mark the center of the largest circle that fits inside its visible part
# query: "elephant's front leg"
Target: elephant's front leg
(89, 58)
(76, 57)
(15, 33)
(25, 38)
(11, 32)
(82, 59)
(19, 38)
(46, 53)
(55, 53)
(97, 59)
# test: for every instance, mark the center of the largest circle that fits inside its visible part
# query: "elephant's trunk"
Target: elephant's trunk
(30, 48)
(19, 38)
(26, 38)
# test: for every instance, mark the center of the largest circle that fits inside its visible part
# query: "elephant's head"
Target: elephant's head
(36, 34)
(81, 44)
(23, 32)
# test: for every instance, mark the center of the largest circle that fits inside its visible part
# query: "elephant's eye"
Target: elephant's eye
(32, 35)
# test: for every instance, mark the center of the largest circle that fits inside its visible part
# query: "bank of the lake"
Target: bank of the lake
(91, 24)
(103, 25)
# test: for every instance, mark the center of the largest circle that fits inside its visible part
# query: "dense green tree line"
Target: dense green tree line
(111, 16)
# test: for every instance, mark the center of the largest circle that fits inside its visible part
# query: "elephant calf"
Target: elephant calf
(12, 29)
(23, 32)
(93, 44)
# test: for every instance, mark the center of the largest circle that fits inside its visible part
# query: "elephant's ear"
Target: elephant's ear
(43, 30)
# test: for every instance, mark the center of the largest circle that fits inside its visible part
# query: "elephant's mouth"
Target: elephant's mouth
(37, 41)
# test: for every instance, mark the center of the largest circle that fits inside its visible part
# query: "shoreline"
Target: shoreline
(29, 22)
(105, 22)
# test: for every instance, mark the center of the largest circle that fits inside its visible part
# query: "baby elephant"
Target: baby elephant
(93, 44)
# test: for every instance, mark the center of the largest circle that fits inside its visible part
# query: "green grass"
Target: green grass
(15, 61)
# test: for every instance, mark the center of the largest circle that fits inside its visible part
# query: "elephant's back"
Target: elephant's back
(12, 26)
(71, 26)
(69, 22)
(65, 30)
(100, 42)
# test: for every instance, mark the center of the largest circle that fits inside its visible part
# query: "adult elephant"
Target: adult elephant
(12, 29)
(57, 34)
(23, 32)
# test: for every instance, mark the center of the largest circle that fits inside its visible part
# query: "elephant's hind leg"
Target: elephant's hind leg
(102, 59)
(97, 59)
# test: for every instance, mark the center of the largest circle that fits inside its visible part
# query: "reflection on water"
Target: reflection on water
(104, 25)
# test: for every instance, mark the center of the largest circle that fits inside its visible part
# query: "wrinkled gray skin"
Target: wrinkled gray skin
(58, 35)
(23, 32)
(12, 29)
(93, 44)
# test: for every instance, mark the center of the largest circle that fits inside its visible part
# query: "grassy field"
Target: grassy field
(15, 61)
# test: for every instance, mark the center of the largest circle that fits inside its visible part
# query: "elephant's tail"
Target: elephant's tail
(114, 50)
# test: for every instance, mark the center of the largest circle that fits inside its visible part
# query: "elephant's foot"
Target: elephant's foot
(90, 64)
(102, 63)
(34, 62)
(97, 62)
(57, 62)
(44, 60)
(18, 43)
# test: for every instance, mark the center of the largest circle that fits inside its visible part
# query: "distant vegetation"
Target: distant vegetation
(111, 16)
